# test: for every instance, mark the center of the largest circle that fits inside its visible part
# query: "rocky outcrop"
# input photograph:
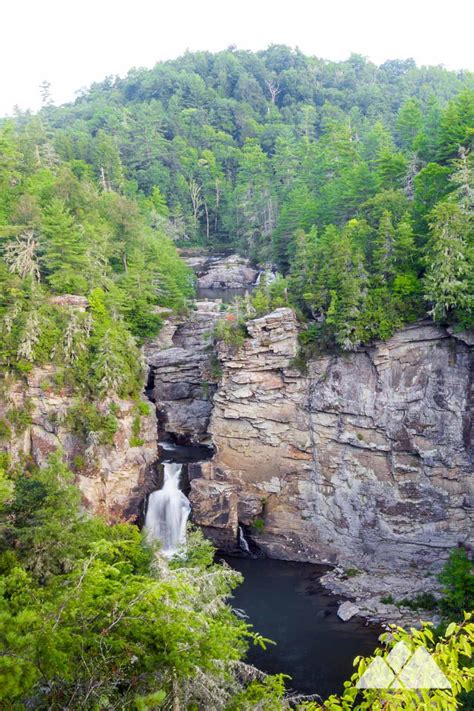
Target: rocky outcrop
(233, 272)
(181, 365)
(113, 478)
(365, 460)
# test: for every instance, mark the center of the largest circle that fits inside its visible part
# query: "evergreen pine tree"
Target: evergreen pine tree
(449, 279)
(64, 257)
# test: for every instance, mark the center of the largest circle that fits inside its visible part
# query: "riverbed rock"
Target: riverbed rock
(365, 460)
(347, 610)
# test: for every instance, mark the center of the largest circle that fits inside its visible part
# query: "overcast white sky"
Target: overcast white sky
(72, 43)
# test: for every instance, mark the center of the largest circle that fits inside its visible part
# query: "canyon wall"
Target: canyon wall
(181, 360)
(113, 477)
(365, 460)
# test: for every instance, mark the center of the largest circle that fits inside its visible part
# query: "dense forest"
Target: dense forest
(355, 182)
(60, 234)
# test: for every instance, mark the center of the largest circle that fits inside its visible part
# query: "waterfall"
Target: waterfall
(167, 512)
(267, 274)
(243, 545)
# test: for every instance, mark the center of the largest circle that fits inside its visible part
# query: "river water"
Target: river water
(286, 602)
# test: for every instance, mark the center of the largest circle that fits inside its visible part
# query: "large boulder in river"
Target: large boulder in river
(347, 610)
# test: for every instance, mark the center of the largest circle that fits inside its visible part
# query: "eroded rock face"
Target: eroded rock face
(113, 478)
(366, 460)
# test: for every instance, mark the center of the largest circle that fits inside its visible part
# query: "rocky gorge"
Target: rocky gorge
(360, 460)
(363, 460)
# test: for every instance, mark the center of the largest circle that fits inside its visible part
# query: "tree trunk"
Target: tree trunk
(175, 695)
(207, 220)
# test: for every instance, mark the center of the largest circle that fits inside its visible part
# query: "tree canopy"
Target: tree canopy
(249, 150)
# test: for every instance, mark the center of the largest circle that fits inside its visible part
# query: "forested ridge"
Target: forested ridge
(356, 181)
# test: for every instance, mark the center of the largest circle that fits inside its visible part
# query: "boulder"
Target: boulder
(230, 273)
(347, 610)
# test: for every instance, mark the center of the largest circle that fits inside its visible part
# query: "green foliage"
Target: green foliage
(422, 601)
(332, 171)
(61, 235)
(135, 439)
(269, 295)
(452, 652)
(231, 331)
(90, 424)
(450, 273)
(92, 618)
(457, 579)
(5, 430)
(351, 572)
(215, 368)
(258, 524)
(20, 417)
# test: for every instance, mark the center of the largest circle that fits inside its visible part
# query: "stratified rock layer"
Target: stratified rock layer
(181, 360)
(365, 460)
(233, 272)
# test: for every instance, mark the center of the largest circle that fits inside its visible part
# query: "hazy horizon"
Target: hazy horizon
(75, 47)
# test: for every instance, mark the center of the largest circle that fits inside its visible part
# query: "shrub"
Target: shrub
(422, 601)
(352, 572)
(5, 430)
(230, 331)
(86, 421)
(457, 579)
(20, 417)
(79, 462)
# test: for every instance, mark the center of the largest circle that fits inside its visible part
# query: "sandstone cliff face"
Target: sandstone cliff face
(113, 478)
(366, 460)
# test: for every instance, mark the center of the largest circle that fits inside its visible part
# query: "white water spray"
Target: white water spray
(269, 276)
(167, 512)
(243, 541)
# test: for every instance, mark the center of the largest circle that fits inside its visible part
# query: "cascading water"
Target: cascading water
(167, 512)
(243, 545)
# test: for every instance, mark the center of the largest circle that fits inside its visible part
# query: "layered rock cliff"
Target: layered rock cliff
(113, 477)
(365, 460)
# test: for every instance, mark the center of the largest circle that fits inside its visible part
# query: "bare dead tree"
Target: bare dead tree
(196, 199)
(21, 256)
(274, 89)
